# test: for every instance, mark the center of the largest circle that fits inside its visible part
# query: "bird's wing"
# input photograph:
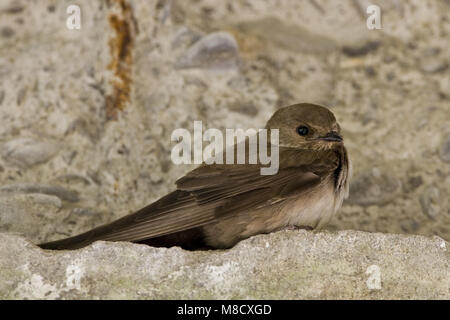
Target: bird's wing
(205, 195)
(208, 194)
(237, 188)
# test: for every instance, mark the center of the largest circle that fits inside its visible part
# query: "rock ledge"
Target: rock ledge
(282, 265)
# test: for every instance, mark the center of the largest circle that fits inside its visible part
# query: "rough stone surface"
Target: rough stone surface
(67, 165)
(445, 150)
(388, 88)
(373, 187)
(217, 50)
(27, 152)
(282, 265)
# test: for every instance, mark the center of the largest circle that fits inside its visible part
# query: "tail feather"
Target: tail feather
(191, 239)
(71, 243)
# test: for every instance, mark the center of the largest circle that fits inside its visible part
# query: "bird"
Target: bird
(216, 205)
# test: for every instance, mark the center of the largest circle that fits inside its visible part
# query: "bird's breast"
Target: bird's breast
(313, 208)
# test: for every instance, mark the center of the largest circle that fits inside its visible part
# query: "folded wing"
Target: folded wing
(205, 195)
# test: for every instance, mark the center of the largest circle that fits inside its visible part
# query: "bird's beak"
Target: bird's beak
(331, 136)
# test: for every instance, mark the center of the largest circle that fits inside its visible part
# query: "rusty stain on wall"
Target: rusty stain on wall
(121, 50)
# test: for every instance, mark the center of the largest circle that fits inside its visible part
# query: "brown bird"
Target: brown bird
(217, 205)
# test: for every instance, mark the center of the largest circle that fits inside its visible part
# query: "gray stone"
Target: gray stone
(185, 37)
(361, 49)
(7, 32)
(44, 217)
(34, 215)
(373, 188)
(290, 51)
(288, 36)
(247, 108)
(60, 192)
(445, 150)
(433, 64)
(413, 183)
(282, 265)
(409, 225)
(444, 86)
(429, 202)
(26, 152)
(217, 50)
(13, 8)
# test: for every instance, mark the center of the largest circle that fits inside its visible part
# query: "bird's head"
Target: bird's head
(306, 126)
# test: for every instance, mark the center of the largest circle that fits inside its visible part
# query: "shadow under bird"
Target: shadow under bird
(217, 205)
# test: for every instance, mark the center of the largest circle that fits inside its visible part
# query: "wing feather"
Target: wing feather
(205, 195)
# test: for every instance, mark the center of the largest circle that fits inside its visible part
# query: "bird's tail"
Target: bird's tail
(71, 243)
(165, 217)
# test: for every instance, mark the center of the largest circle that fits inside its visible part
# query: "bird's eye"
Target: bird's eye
(302, 130)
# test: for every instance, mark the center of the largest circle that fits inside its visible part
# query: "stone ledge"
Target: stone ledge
(282, 265)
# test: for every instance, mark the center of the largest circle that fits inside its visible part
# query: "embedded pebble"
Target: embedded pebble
(185, 37)
(62, 193)
(288, 36)
(217, 50)
(409, 225)
(6, 32)
(433, 65)
(27, 152)
(361, 49)
(444, 153)
(429, 202)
